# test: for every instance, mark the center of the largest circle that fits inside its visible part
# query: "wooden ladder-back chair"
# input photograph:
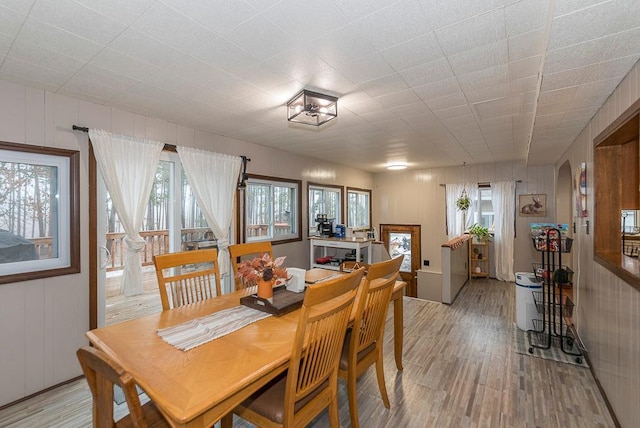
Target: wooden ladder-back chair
(364, 348)
(239, 252)
(102, 373)
(193, 276)
(311, 383)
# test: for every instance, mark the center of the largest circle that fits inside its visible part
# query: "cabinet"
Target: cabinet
(322, 247)
(478, 259)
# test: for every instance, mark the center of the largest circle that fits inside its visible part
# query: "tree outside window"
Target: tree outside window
(271, 210)
(359, 208)
(324, 199)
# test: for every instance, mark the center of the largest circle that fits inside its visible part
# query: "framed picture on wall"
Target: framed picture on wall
(534, 205)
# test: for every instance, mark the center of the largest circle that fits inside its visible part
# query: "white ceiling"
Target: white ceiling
(428, 82)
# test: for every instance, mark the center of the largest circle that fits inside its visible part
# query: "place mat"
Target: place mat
(193, 333)
(521, 345)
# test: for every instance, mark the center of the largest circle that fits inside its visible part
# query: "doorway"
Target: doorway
(404, 239)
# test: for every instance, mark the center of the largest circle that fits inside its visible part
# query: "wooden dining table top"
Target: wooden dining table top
(199, 386)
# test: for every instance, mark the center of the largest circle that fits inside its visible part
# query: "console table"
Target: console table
(323, 244)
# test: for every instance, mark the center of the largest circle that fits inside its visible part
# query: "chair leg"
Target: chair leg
(227, 420)
(353, 398)
(381, 384)
(334, 418)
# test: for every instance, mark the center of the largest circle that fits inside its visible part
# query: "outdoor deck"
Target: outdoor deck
(121, 308)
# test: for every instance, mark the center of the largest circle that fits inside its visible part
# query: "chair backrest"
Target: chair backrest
(372, 305)
(239, 252)
(384, 268)
(102, 373)
(187, 277)
(351, 265)
(322, 326)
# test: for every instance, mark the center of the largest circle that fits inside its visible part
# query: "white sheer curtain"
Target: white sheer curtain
(128, 167)
(504, 209)
(213, 178)
(458, 221)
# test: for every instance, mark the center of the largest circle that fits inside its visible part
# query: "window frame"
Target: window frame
(360, 191)
(68, 224)
(322, 186)
(297, 185)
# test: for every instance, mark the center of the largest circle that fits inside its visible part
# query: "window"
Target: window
(324, 199)
(272, 209)
(485, 207)
(359, 207)
(39, 212)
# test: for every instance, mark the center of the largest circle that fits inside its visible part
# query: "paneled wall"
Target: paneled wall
(43, 322)
(608, 309)
(416, 197)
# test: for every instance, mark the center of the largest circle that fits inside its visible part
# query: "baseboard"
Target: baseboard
(35, 394)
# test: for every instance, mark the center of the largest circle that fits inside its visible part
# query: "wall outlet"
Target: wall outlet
(425, 262)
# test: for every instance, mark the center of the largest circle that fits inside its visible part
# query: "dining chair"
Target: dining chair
(349, 265)
(239, 252)
(102, 373)
(310, 383)
(187, 277)
(363, 342)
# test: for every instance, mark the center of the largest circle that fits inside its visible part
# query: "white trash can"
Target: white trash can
(526, 312)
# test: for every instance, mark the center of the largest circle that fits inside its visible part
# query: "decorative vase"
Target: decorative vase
(265, 289)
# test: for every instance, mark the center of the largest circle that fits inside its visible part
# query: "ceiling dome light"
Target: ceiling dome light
(397, 165)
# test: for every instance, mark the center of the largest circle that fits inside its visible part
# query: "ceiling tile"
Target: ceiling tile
(19, 71)
(296, 64)
(473, 32)
(575, 56)
(490, 55)
(355, 9)
(431, 72)
(587, 24)
(218, 16)
(38, 54)
(487, 93)
(455, 11)
(123, 64)
(162, 23)
(507, 106)
(100, 76)
(441, 103)
(384, 85)
(262, 38)
(397, 99)
(5, 44)
(438, 89)
(409, 23)
(421, 50)
(487, 77)
(525, 67)
(122, 11)
(525, 16)
(366, 68)
(292, 16)
(10, 22)
(527, 45)
(38, 32)
(77, 19)
(144, 48)
(20, 6)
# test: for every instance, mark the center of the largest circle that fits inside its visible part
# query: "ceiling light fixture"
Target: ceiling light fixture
(312, 108)
(397, 165)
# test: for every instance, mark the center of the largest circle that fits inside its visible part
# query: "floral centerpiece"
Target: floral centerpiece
(263, 271)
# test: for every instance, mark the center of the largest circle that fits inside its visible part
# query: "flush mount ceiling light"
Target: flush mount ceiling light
(397, 165)
(312, 108)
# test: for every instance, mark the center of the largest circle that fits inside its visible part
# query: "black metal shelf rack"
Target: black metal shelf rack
(552, 329)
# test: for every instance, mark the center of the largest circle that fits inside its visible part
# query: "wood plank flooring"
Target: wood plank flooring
(460, 371)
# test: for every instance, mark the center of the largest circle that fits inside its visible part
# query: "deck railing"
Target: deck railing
(156, 242)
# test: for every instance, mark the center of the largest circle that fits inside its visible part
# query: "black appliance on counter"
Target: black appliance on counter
(325, 225)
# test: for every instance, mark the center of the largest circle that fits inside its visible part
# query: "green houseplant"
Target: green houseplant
(480, 233)
(463, 202)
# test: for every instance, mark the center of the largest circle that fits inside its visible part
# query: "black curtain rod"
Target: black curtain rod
(168, 147)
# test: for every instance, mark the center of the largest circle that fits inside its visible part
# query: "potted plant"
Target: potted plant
(480, 233)
(262, 271)
(463, 202)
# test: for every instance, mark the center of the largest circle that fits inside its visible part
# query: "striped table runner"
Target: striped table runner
(193, 333)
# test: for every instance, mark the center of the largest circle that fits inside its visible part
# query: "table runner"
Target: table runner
(193, 333)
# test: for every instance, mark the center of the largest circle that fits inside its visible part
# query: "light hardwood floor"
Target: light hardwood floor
(460, 370)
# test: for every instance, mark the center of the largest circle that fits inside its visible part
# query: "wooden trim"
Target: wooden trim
(330, 186)
(357, 189)
(620, 122)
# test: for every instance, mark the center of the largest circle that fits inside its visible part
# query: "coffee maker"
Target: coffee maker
(325, 225)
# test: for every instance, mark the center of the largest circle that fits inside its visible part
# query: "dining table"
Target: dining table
(196, 388)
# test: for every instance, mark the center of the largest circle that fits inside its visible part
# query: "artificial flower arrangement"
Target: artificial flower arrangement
(252, 271)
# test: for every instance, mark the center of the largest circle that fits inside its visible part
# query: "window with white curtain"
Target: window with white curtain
(359, 208)
(271, 209)
(324, 199)
(484, 213)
